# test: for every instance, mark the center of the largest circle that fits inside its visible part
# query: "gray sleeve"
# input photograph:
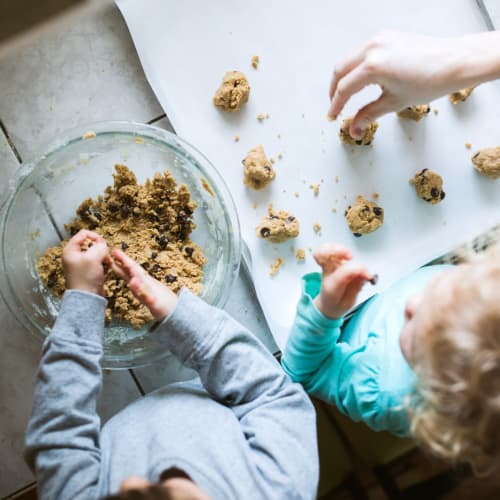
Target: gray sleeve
(275, 414)
(62, 438)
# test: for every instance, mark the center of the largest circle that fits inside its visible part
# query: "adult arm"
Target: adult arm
(412, 69)
(62, 439)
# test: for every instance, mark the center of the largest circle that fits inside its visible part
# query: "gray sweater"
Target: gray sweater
(243, 430)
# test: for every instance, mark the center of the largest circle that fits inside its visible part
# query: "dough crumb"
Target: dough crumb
(279, 136)
(460, 95)
(337, 179)
(278, 226)
(233, 92)
(317, 227)
(415, 113)
(429, 186)
(280, 156)
(35, 234)
(255, 61)
(296, 194)
(139, 140)
(272, 160)
(367, 138)
(89, 135)
(263, 116)
(436, 111)
(364, 216)
(254, 205)
(275, 266)
(487, 162)
(152, 222)
(206, 186)
(375, 196)
(315, 188)
(258, 171)
(334, 210)
(236, 138)
(301, 254)
(468, 145)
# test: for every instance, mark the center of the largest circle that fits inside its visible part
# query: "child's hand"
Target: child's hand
(83, 269)
(341, 281)
(158, 298)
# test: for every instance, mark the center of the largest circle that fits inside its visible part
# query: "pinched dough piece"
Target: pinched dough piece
(233, 91)
(415, 113)
(278, 226)
(364, 216)
(367, 138)
(429, 186)
(152, 223)
(258, 171)
(460, 95)
(487, 162)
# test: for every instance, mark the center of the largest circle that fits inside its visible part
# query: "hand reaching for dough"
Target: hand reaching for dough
(411, 69)
(341, 281)
(158, 298)
(83, 258)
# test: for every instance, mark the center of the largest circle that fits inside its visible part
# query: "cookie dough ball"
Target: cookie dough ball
(429, 186)
(487, 162)
(258, 171)
(367, 138)
(278, 227)
(460, 95)
(364, 216)
(233, 91)
(415, 113)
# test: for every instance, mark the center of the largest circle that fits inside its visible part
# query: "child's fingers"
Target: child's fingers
(142, 291)
(330, 256)
(119, 271)
(130, 266)
(338, 282)
(98, 250)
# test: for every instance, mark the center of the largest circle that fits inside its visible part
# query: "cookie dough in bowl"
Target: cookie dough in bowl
(202, 242)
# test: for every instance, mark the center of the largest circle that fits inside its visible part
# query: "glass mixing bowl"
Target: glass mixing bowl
(79, 165)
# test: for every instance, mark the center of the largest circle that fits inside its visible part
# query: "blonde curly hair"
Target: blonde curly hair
(455, 408)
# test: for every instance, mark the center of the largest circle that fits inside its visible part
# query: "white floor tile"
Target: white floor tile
(85, 73)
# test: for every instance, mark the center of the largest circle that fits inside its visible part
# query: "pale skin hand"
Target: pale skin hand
(341, 280)
(83, 269)
(158, 298)
(411, 69)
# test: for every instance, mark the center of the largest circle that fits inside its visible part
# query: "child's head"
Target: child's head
(452, 340)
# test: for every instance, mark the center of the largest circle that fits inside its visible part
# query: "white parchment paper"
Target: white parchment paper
(186, 47)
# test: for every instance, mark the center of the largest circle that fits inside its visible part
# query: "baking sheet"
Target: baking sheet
(186, 47)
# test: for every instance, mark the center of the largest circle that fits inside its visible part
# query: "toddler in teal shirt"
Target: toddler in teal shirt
(420, 359)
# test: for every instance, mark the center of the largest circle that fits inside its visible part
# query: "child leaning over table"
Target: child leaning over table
(420, 359)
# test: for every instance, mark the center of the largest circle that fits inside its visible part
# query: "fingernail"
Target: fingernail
(374, 279)
(330, 117)
(358, 132)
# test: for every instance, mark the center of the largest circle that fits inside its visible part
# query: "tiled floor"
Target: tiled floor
(86, 72)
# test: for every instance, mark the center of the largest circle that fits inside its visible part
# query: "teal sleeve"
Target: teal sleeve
(313, 337)
(334, 371)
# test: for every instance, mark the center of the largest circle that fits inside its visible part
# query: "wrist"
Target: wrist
(328, 311)
(82, 287)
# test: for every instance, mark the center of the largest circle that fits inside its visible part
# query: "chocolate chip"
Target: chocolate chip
(368, 143)
(189, 251)
(125, 211)
(428, 109)
(52, 280)
(366, 208)
(124, 245)
(170, 278)
(155, 268)
(272, 216)
(73, 230)
(475, 155)
(291, 218)
(378, 211)
(345, 213)
(443, 194)
(358, 235)
(113, 208)
(154, 255)
(162, 241)
(422, 172)
(265, 232)
(144, 265)
(359, 142)
(435, 192)
(267, 169)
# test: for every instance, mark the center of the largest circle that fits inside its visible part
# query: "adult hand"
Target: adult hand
(158, 298)
(410, 69)
(83, 267)
(341, 281)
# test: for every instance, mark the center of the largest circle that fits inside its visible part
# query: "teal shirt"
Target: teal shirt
(357, 364)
